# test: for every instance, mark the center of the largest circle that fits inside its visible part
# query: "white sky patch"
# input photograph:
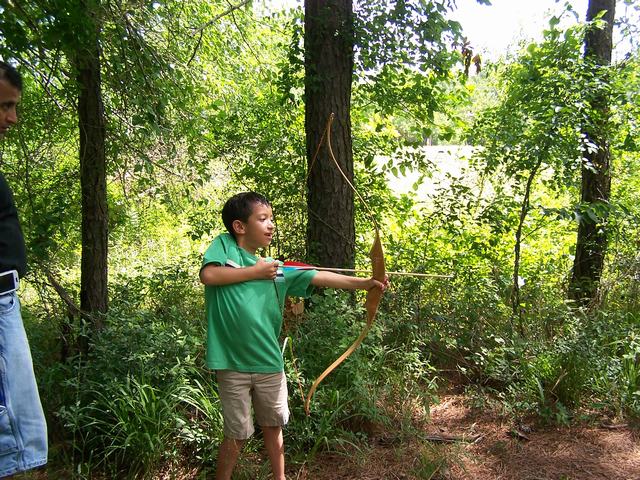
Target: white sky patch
(495, 29)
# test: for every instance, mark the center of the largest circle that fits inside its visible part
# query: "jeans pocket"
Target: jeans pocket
(8, 442)
(7, 303)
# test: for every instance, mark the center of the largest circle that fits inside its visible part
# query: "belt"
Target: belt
(9, 281)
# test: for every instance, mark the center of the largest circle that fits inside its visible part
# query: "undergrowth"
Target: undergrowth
(143, 402)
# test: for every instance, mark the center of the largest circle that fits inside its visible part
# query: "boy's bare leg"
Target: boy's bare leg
(227, 457)
(274, 444)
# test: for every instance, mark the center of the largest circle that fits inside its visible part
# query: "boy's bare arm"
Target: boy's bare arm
(218, 275)
(335, 280)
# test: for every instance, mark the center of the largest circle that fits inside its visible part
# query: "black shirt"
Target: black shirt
(12, 249)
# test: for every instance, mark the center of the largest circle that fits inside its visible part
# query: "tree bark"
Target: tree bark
(591, 243)
(328, 76)
(91, 122)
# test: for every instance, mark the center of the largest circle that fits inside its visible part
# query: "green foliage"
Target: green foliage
(198, 111)
(540, 113)
(404, 53)
(467, 227)
(580, 367)
(130, 424)
(355, 397)
(142, 397)
(617, 376)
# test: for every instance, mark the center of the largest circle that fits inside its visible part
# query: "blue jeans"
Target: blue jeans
(23, 430)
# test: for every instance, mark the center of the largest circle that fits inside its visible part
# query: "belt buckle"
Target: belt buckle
(9, 281)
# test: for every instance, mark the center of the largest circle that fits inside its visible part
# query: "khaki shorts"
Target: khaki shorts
(238, 391)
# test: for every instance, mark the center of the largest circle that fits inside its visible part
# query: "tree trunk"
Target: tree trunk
(524, 210)
(328, 75)
(93, 277)
(591, 240)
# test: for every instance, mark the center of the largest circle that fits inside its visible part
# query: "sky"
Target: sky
(495, 29)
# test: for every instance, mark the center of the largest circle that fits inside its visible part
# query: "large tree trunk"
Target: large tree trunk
(591, 241)
(329, 71)
(93, 279)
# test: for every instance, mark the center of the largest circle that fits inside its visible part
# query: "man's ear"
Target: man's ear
(238, 227)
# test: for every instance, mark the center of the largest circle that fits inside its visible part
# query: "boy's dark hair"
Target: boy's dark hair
(240, 207)
(11, 75)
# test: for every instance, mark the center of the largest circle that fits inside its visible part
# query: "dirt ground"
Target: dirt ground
(458, 442)
(478, 444)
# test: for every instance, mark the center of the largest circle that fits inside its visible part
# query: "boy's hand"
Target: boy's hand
(265, 270)
(381, 285)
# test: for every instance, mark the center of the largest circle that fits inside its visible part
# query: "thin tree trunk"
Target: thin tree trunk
(591, 243)
(93, 278)
(515, 297)
(328, 76)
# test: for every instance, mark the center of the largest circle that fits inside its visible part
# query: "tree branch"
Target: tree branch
(200, 30)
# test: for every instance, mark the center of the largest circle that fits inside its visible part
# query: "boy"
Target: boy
(244, 300)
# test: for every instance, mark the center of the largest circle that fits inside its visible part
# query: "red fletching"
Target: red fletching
(293, 264)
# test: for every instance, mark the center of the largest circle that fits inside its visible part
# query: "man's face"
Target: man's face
(9, 98)
(257, 232)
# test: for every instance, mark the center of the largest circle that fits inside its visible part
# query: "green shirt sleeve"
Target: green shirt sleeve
(299, 282)
(222, 250)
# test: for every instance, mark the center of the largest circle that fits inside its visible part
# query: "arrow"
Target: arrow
(304, 266)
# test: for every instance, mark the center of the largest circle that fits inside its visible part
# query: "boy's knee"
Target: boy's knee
(234, 443)
(271, 429)
(272, 436)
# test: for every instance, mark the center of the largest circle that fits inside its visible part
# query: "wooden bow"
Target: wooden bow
(376, 255)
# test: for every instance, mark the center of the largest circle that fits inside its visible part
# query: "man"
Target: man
(23, 431)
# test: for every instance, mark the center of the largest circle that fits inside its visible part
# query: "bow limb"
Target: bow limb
(327, 133)
(371, 305)
(331, 367)
(379, 273)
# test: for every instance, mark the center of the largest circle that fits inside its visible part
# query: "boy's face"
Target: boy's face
(257, 232)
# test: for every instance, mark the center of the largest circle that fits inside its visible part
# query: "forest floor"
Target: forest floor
(456, 441)
(460, 442)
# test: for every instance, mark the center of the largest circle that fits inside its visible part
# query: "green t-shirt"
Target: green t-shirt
(244, 319)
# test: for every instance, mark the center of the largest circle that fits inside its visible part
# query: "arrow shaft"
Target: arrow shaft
(354, 270)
